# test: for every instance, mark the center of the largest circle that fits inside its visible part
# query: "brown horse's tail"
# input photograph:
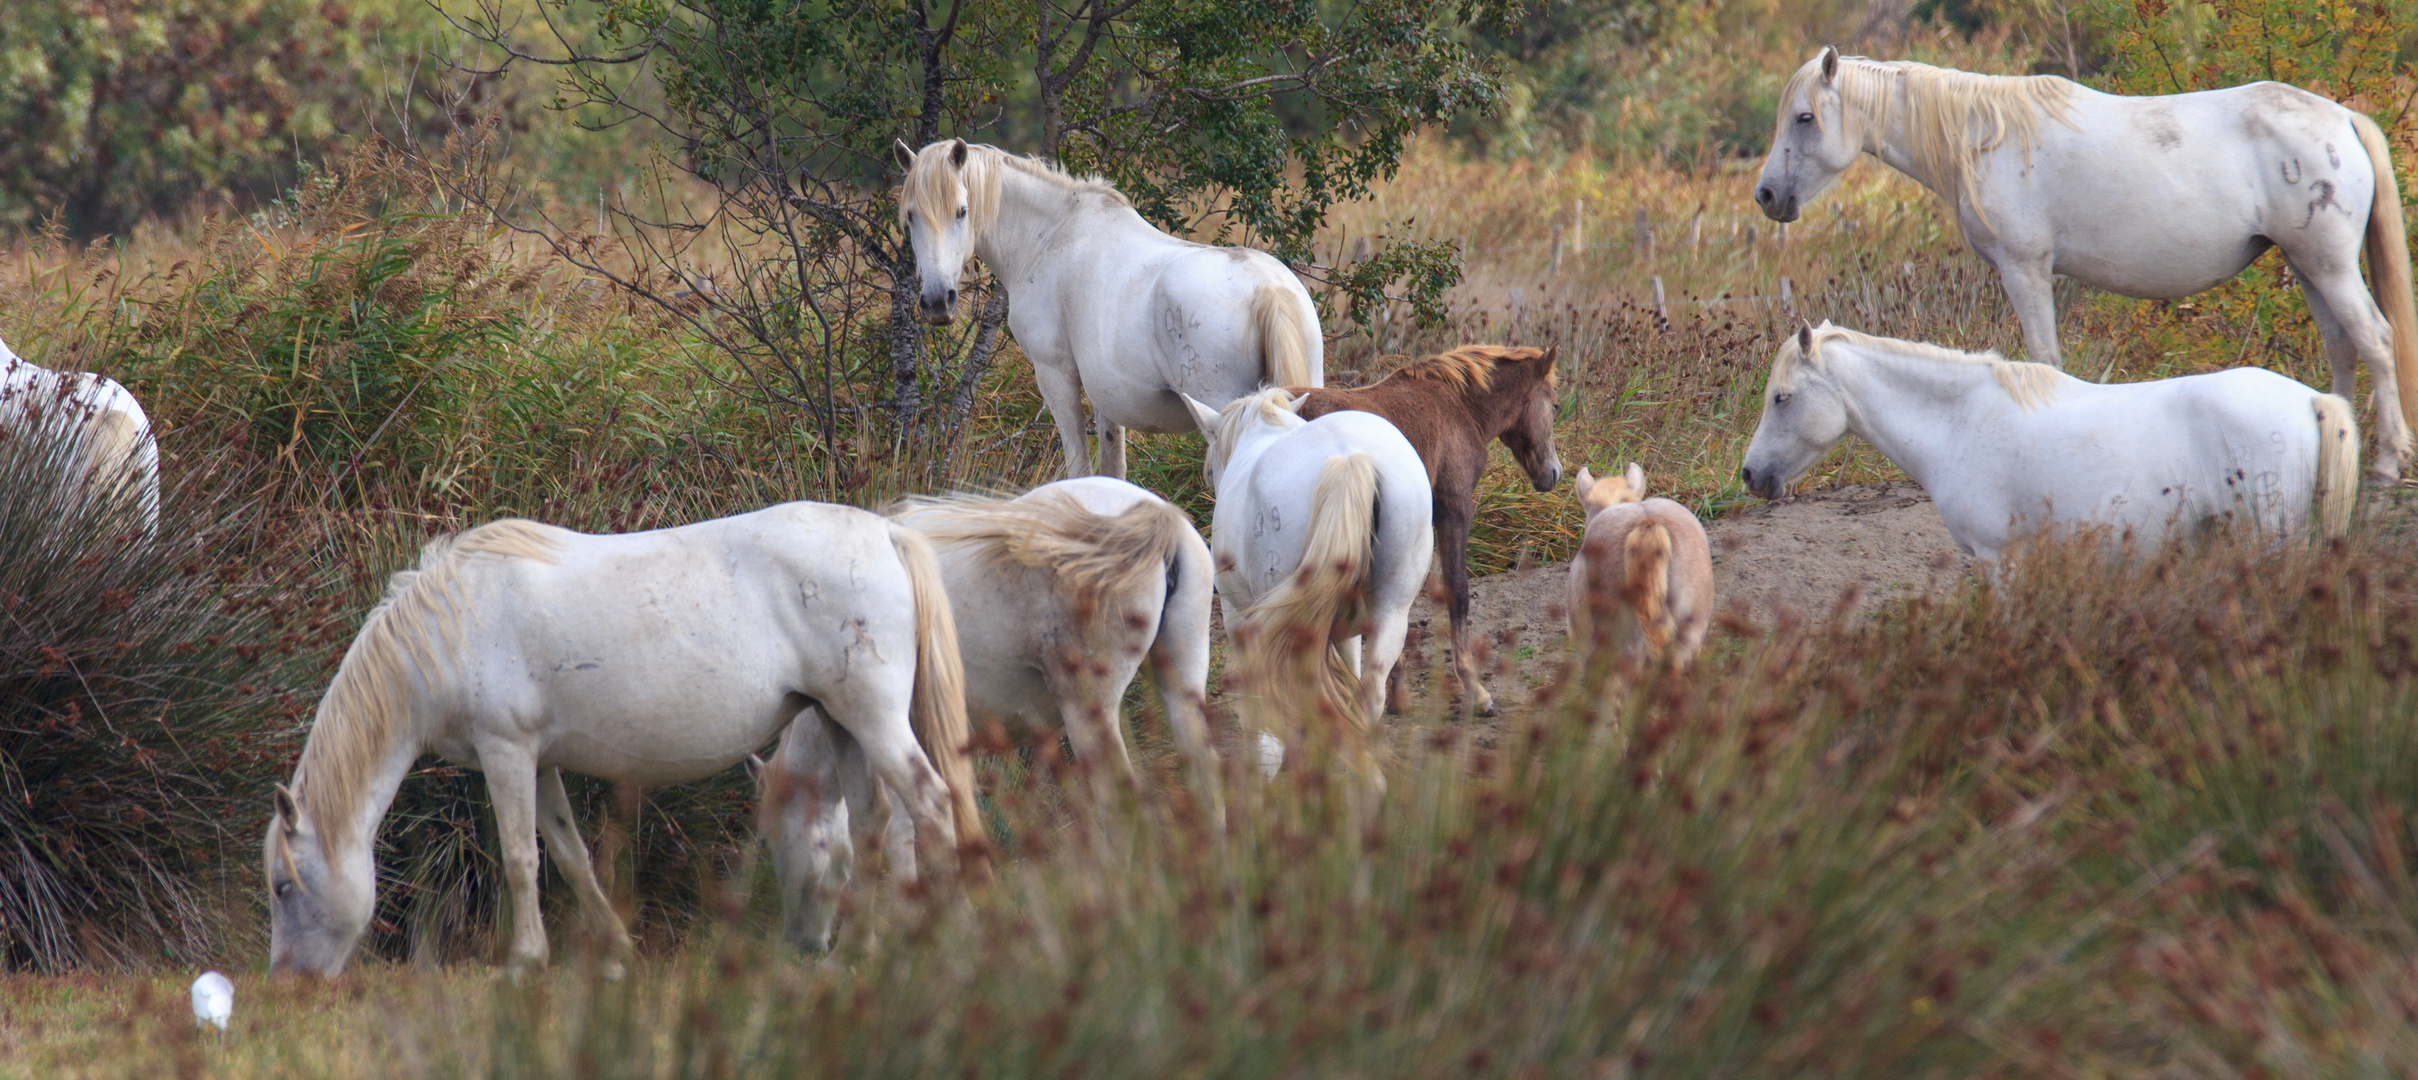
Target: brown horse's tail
(938, 715)
(1284, 351)
(2389, 264)
(1646, 560)
(2337, 463)
(1293, 629)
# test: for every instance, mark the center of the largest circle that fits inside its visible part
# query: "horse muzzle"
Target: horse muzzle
(1775, 206)
(939, 309)
(1551, 479)
(1766, 486)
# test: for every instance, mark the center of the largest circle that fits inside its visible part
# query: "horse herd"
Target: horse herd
(862, 647)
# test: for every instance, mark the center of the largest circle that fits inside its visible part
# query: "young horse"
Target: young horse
(1060, 595)
(113, 453)
(2006, 448)
(1643, 575)
(1103, 303)
(2155, 197)
(1323, 535)
(522, 649)
(1450, 407)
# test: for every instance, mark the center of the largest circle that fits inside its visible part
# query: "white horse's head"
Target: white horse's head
(1804, 415)
(813, 847)
(1224, 428)
(1813, 141)
(943, 215)
(318, 905)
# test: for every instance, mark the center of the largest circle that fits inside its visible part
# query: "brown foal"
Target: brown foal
(1450, 407)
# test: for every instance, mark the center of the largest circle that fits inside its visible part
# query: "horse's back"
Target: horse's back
(665, 655)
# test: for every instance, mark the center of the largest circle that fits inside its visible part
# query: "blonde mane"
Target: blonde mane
(927, 182)
(1273, 405)
(1951, 118)
(412, 632)
(1471, 367)
(2030, 385)
(1094, 556)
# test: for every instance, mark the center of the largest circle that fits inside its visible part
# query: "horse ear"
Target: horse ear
(755, 769)
(1580, 485)
(1805, 340)
(957, 153)
(1203, 417)
(1637, 481)
(1552, 353)
(903, 152)
(1293, 402)
(288, 812)
(1830, 64)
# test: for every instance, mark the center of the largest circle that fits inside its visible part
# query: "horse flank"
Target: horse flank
(1094, 556)
(2030, 385)
(927, 182)
(1953, 117)
(414, 628)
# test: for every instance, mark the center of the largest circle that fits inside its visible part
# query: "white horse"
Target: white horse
(1323, 535)
(2005, 449)
(1060, 596)
(2154, 197)
(661, 657)
(1102, 302)
(112, 449)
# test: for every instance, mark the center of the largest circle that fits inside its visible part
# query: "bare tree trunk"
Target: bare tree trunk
(906, 343)
(978, 359)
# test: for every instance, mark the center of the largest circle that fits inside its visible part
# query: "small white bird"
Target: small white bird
(1271, 755)
(213, 1000)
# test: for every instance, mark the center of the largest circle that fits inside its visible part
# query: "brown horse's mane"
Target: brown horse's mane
(1471, 367)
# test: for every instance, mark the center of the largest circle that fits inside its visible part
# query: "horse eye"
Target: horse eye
(284, 887)
(1781, 399)
(1805, 118)
(961, 213)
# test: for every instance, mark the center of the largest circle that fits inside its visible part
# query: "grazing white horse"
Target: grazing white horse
(114, 450)
(653, 658)
(1323, 535)
(1103, 303)
(1061, 594)
(2005, 449)
(2154, 197)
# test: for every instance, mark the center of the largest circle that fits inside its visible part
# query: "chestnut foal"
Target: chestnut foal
(1450, 407)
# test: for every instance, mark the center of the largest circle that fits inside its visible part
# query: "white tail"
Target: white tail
(2389, 264)
(1284, 352)
(1290, 643)
(2337, 463)
(1646, 560)
(939, 712)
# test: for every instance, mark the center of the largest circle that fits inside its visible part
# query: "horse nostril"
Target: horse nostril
(1764, 196)
(952, 298)
(1746, 476)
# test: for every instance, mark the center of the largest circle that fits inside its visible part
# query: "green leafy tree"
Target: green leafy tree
(1246, 121)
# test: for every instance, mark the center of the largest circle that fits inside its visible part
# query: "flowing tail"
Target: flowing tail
(2389, 264)
(939, 713)
(2337, 463)
(1293, 629)
(1284, 353)
(1646, 559)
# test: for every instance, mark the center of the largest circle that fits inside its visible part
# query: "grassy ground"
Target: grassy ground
(2142, 820)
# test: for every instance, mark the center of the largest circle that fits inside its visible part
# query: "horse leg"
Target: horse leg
(512, 788)
(879, 723)
(1090, 713)
(1063, 393)
(1112, 447)
(2352, 329)
(571, 859)
(1179, 664)
(2032, 291)
(1452, 541)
